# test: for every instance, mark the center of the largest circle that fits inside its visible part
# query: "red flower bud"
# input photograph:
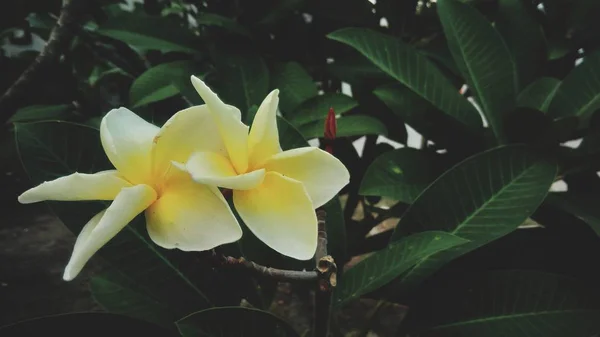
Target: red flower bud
(330, 130)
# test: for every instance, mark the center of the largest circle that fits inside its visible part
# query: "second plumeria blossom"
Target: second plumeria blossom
(275, 192)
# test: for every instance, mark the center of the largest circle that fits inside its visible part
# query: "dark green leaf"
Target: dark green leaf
(49, 150)
(211, 19)
(579, 93)
(336, 230)
(295, 85)
(289, 136)
(585, 207)
(411, 68)
(83, 324)
(41, 112)
(524, 38)
(401, 174)
(354, 68)
(388, 263)
(280, 11)
(316, 108)
(482, 58)
(150, 33)
(234, 322)
(159, 82)
(348, 126)
(480, 199)
(507, 303)
(539, 94)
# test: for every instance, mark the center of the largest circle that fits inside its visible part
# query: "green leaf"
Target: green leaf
(159, 82)
(49, 150)
(401, 174)
(146, 32)
(289, 136)
(355, 68)
(506, 303)
(336, 230)
(348, 126)
(579, 93)
(539, 94)
(234, 322)
(585, 207)
(388, 263)
(316, 108)
(82, 324)
(481, 199)
(482, 58)
(41, 112)
(210, 19)
(243, 78)
(412, 69)
(280, 11)
(295, 85)
(524, 38)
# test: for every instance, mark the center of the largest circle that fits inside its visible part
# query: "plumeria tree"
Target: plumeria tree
(432, 162)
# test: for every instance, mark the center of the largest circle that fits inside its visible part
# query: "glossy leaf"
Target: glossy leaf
(388, 263)
(295, 85)
(412, 69)
(41, 112)
(482, 58)
(539, 94)
(507, 303)
(481, 199)
(579, 93)
(401, 174)
(161, 82)
(145, 32)
(234, 322)
(356, 125)
(316, 108)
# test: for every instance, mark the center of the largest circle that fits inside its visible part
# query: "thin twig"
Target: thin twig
(273, 273)
(59, 40)
(327, 280)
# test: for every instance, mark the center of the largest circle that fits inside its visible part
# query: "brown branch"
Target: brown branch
(60, 38)
(327, 280)
(273, 273)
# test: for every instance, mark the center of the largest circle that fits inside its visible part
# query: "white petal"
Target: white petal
(214, 169)
(233, 132)
(280, 213)
(322, 174)
(104, 226)
(191, 217)
(263, 141)
(127, 140)
(190, 130)
(103, 185)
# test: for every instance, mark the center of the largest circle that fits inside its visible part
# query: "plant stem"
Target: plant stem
(327, 280)
(273, 273)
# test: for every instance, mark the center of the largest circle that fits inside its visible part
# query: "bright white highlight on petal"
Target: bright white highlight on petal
(104, 226)
(214, 169)
(103, 185)
(280, 213)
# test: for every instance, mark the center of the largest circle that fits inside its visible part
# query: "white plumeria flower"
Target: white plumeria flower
(274, 192)
(179, 212)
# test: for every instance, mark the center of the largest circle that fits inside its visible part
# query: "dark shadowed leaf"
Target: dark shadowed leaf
(41, 112)
(295, 85)
(289, 136)
(356, 125)
(336, 230)
(585, 207)
(211, 19)
(506, 303)
(413, 69)
(480, 199)
(316, 108)
(401, 174)
(539, 94)
(482, 58)
(388, 263)
(234, 322)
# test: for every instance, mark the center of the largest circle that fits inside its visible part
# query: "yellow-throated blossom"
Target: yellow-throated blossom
(179, 212)
(274, 191)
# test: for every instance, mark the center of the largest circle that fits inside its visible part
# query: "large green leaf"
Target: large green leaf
(234, 322)
(356, 125)
(401, 174)
(413, 69)
(41, 112)
(161, 82)
(295, 85)
(539, 94)
(289, 136)
(524, 38)
(336, 230)
(579, 93)
(316, 108)
(211, 19)
(49, 150)
(480, 199)
(482, 58)
(388, 263)
(506, 303)
(146, 32)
